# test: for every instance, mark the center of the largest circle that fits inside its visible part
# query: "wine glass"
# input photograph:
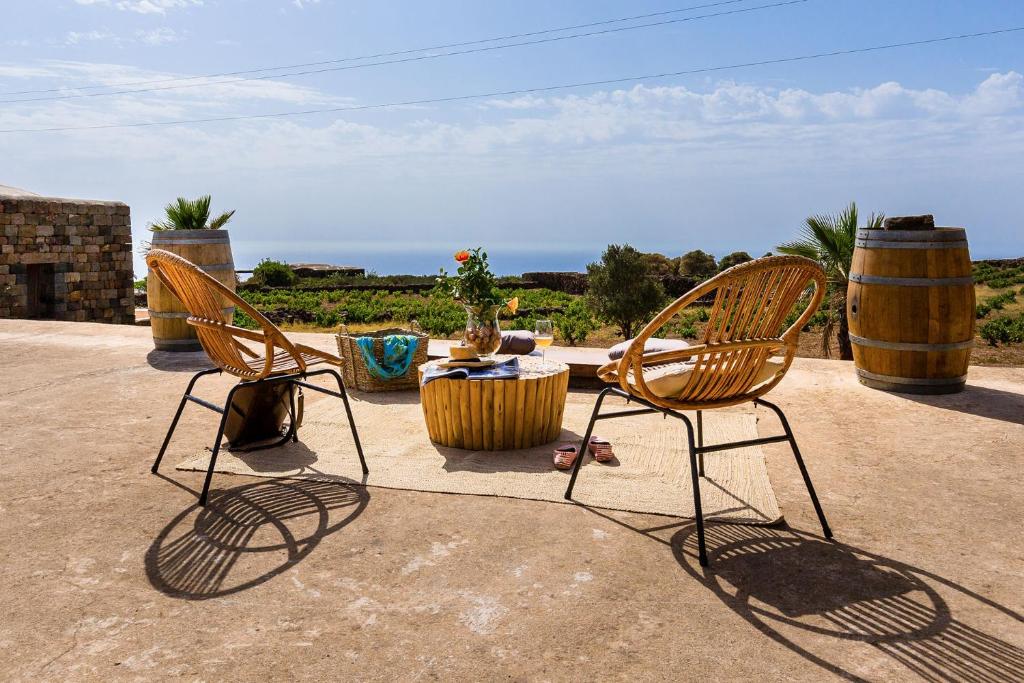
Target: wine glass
(544, 335)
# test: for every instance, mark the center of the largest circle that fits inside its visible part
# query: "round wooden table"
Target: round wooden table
(497, 414)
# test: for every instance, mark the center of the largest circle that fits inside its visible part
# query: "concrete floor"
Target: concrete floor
(110, 572)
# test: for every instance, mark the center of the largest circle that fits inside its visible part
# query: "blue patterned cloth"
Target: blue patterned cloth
(398, 353)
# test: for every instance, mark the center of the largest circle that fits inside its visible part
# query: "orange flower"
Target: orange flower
(462, 256)
(513, 304)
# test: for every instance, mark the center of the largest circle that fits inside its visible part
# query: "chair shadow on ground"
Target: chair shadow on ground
(977, 400)
(178, 361)
(247, 535)
(779, 579)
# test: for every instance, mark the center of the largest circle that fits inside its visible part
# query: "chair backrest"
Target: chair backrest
(750, 305)
(205, 298)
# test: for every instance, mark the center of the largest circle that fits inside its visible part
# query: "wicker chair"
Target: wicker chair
(741, 357)
(280, 361)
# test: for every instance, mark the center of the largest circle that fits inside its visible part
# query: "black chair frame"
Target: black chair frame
(295, 379)
(697, 450)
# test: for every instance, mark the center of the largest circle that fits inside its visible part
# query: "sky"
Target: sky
(722, 160)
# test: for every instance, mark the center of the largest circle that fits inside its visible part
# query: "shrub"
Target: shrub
(994, 303)
(733, 259)
(1003, 329)
(622, 289)
(660, 265)
(140, 285)
(697, 264)
(575, 323)
(273, 274)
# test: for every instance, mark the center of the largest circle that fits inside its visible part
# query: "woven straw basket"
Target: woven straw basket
(358, 376)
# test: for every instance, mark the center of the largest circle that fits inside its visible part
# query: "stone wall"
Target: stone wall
(65, 259)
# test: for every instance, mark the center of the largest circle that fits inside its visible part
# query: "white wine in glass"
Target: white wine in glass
(544, 335)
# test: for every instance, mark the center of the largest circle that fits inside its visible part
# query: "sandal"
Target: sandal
(601, 449)
(565, 457)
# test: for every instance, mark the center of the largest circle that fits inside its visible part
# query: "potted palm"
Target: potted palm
(188, 230)
(829, 240)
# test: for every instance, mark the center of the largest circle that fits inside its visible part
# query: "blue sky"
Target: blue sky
(723, 161)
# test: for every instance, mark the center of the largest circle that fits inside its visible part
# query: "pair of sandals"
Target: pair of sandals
(565, 455)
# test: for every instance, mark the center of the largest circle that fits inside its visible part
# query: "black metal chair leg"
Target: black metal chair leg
(586, 440)
(216, 449)
(700, 441)
(177, 416)
(702, 553)
(826, 530)
(351, 420)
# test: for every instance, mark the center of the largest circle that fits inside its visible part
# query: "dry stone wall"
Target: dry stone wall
(66, 259)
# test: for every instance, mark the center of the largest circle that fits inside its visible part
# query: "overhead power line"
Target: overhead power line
(526, 91)
(379, 55)
(416, 58)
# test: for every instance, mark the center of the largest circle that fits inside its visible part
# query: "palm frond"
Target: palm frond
(219, 222)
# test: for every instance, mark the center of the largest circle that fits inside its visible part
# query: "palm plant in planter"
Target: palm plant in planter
(188, 231)
(191, 214)
(829, 240)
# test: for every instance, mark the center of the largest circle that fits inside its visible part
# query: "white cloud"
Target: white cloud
(77, 37)
(302, 4)
(143, 6)
(158, 36)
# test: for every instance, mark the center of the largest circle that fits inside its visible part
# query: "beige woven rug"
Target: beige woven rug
(650, 473)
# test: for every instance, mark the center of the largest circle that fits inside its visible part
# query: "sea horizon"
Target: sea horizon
(420, 259)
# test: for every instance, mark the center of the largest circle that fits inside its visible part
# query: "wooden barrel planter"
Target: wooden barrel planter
(211, 251)
(910, 305)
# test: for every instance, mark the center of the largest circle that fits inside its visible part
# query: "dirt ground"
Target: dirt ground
(112, 573)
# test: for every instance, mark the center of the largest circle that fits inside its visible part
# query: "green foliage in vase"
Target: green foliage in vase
(473, 284)
(191, 214)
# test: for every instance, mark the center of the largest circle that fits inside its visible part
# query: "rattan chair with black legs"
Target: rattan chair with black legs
(743, 353)
(280, 361)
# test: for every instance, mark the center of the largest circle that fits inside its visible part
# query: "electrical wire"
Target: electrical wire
(380, 55)
(525, 91)
(417, 58)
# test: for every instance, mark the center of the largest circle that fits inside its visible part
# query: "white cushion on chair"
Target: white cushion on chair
(669, 380)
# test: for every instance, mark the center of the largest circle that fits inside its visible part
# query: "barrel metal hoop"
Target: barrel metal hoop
(882, 244)
(191, 241)
(170, 315)
(911, 281)
(937, 235)
(911, 346)
(931, 381)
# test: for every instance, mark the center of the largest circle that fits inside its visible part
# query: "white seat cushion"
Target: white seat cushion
(669, 380)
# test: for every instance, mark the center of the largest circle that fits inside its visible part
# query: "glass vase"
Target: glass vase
(482, 332)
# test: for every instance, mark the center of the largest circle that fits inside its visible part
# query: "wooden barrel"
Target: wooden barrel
(910, 305)
(211, 251)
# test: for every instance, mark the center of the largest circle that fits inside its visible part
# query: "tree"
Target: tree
(660, 265)
(697, 264)
(622, 289)
(271, 273)
(191, 214)
(829, 240)
(734, 259)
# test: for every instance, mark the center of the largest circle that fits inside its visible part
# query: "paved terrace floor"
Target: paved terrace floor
(329, 582)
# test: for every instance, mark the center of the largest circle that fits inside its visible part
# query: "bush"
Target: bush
(140, 285)
(1003, 330)
(697, 264)
(660, 265)
(622, 289)
(273, 274)
(994, 303)
(576, 323)
(734, 259)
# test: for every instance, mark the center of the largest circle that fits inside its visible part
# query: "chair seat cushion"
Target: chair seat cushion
(652, 345)
(669, 380)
